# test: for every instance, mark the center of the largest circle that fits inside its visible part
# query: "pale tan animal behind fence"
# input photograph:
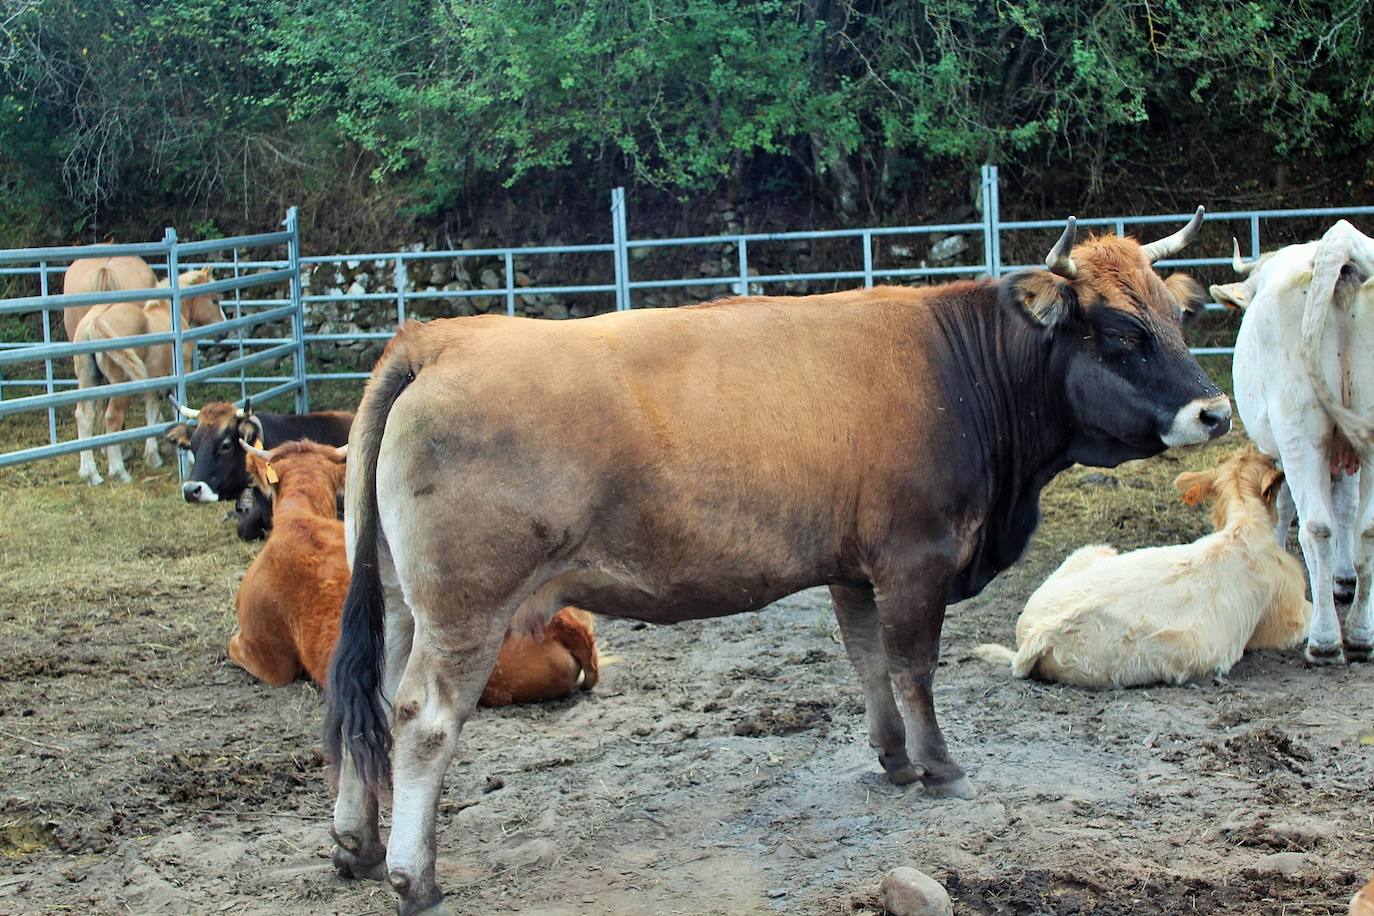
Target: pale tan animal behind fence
(90, 275)
(128, 319)
(1170, 614)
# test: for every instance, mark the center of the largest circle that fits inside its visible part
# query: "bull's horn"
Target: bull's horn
(182, 409)
(342, 452)
(1059, 261)
(1239, 265)
(1172, 244)
(255, 452)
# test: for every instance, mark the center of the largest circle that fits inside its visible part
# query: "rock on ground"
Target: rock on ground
(909, 892)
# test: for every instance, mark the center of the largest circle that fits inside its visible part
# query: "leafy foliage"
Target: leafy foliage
(106, 103)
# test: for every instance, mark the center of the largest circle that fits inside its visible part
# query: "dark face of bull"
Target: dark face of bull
(1133, 389)
(218, 469)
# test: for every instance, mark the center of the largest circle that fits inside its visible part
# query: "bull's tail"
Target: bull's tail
(998, 655)
(1333, 287)
(574, 629)
(355, 720)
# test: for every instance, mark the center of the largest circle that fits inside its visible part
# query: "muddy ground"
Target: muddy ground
(720, 766)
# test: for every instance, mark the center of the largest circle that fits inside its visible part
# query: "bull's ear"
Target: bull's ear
(1188, 292)
(1232, 295)
(250, 429)
(1194, 486)
(1046, 298)
(179, 435)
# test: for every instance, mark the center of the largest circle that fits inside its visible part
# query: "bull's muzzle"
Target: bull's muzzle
(1199, 421)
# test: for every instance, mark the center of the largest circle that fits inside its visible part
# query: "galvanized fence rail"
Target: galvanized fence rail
(871, 263)
(172, 255)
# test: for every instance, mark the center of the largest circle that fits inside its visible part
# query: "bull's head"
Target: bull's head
(218, 470)
(315, 472)
(1132, 386)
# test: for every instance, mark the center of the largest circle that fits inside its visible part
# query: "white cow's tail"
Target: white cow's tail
(998, 655)
(1342, 245)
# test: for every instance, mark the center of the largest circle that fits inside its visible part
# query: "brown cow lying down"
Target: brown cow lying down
(290, 598)
(1172, 613)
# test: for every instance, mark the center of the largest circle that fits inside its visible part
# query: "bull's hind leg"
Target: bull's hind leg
(443, 680)
(1344, 499)
(911, 610)
(858, 616)
(360, 852)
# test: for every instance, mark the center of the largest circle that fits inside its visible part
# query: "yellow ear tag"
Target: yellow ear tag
(1193, 495)
(269, 472)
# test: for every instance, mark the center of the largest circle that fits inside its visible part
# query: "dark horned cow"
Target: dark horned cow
(219, 470)
(889, 443)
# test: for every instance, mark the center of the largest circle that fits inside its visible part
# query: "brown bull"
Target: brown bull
(668, 465)
(289, 601)
(129, 319)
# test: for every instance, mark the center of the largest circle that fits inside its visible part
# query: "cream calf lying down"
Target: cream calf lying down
(1170, 614)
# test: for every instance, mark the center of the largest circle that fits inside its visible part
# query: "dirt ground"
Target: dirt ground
(720, 766)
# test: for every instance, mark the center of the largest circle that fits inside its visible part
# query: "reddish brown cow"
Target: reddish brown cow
(290, 598)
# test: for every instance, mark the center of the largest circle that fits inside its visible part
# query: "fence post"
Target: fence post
(868, 258)
(992, 248)
(401, 281)
(510, 283)
(169, 238)
(742, 287)
(47, 363)
(293, 258)
(620, 253)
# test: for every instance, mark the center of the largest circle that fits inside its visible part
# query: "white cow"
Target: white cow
(1169, 614)
(1304, 383)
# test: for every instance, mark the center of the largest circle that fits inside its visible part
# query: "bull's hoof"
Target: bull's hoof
(1324, 656)
(93, 478)
(1358, 651)
(958, 787)
(120, 476)
(353, 859)
(152, 459)
(416, 897)
(903, 775)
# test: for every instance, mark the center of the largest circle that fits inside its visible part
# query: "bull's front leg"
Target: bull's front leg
(911, 610)
(857, 613)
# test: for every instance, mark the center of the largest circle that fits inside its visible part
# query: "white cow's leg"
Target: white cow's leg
(1359, 625)
(1287, 510)
(858, 616)
(1344, 505)
(152, 406)
(1307, 474)
(360, 852)
(114, 422)
(438, 692)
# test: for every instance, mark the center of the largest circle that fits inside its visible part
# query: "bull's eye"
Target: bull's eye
(225, 446)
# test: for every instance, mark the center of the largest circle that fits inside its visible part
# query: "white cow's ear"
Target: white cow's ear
(1232, 295)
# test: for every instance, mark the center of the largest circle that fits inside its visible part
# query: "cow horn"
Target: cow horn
(1059, 261)
(1237, 264)
(1172, 244)
(182, 409)
(255, 452)
(342, 451)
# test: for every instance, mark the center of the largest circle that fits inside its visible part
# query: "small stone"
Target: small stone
(1286, 864)
(777, 892)
(908, 892)
(494, 783)
(538, 851)
(948, 248)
